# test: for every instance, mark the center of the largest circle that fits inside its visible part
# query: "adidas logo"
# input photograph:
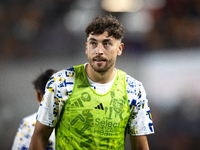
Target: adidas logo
(100, 106)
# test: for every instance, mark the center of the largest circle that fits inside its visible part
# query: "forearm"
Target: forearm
(139, 143)
(38, 143)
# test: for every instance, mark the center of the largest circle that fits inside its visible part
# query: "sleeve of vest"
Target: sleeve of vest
(51, 104)
(140, 122)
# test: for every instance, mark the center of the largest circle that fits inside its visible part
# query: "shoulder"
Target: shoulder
(68, 72)
(132, 82)
(63, 77)
(135, 89)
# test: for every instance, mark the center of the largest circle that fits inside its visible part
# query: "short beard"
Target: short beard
(103, 70)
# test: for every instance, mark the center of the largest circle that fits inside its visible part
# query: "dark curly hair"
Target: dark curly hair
(41, 81)
(107, 23)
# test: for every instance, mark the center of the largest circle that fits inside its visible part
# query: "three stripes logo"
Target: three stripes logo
(100, 106)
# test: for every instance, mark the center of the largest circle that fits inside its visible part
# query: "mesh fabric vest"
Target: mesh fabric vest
(93, 121)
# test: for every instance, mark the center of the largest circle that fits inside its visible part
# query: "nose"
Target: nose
(99, 50)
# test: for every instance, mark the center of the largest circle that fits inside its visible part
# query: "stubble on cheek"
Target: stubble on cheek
(99, 67)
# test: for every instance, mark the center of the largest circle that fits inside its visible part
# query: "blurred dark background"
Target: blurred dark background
(162, 41)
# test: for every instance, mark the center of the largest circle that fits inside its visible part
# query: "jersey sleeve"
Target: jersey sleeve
(140, 121)
(51, 105)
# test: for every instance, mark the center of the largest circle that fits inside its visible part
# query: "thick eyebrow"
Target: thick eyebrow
(92, 39)
(105, 40)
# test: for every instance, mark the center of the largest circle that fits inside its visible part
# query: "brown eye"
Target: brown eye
(93, 43)
(106, 44)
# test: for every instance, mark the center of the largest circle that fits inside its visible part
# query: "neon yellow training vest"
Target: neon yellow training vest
(92, 121)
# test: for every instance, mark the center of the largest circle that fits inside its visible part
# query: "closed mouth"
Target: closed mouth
(99, 59)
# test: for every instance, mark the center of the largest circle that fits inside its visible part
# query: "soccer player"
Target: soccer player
(25, 131)
(91, 105)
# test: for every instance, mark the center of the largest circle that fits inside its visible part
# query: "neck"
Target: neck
(102, 77)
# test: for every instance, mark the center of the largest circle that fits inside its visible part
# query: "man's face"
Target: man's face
(102, 51)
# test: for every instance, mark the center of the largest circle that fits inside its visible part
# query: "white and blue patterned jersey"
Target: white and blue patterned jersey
(59, 89)
(24, 133)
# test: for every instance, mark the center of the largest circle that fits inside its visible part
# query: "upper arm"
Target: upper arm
(139, 142)
(140, 121)
(40, 136)
(57, 92)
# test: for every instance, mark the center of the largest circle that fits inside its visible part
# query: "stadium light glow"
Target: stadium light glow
(122, 5)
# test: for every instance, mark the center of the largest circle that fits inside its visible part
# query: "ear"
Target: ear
(86, 48)
(39, 96)
(121, 46)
